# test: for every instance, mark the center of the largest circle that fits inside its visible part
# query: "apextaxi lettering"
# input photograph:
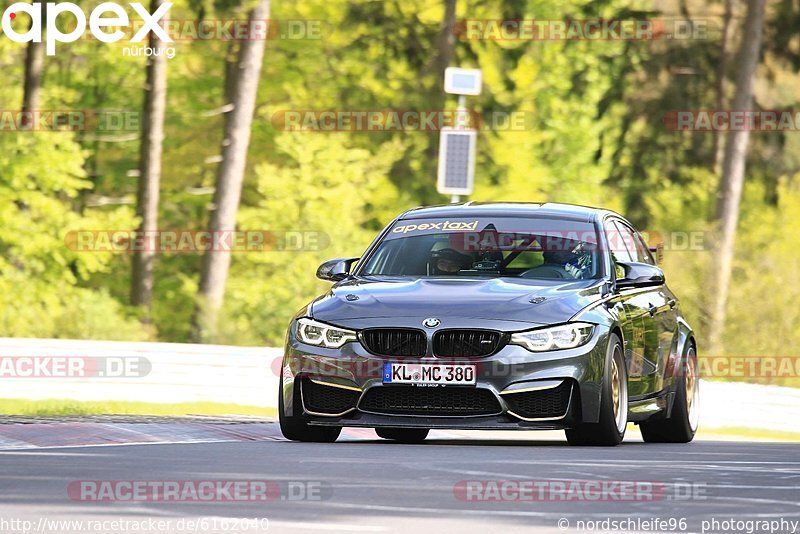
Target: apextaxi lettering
(443, 225)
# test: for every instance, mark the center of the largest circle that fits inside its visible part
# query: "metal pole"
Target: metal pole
(461, 113)
(462, 109)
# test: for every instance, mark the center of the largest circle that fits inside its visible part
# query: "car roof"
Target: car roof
(508, 209)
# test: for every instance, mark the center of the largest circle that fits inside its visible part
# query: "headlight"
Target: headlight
(323, 335)
(567, 336)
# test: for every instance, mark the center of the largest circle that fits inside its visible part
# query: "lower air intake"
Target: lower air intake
(327, 400)
(541, 404)
(441, 401)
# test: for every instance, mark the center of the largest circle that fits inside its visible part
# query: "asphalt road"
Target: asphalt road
(368, 485)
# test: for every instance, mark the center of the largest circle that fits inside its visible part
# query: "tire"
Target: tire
(403, 435)
(296, 427)
(682, 423)
(610, 428)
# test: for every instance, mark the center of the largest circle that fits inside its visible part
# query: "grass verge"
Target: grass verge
(750, 433)
(56, 407)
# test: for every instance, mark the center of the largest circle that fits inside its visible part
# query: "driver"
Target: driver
(448, 261)
(558, 257)
(577, 265)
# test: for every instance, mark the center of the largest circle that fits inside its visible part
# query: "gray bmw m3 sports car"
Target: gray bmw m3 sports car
(506, 316)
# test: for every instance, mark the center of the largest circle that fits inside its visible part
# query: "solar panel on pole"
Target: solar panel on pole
(456, 175)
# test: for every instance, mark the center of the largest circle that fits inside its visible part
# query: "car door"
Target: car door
(652, 304)
(633, 324)
(663, 305)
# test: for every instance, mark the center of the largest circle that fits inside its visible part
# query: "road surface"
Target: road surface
(363, 484)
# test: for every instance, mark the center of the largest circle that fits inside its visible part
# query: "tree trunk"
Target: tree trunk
(445, 48)
(733, 167)
(445, 51)
(155, 100)
(34, 66)
(717, 151)
(230, 175)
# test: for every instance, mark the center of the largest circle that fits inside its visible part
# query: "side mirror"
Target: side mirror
(335, 270)
(640, 275)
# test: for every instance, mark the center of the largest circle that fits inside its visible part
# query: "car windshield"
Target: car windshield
(491, 247)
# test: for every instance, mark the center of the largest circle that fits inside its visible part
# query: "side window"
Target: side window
(616, 238)
(644, 252)
(633, 243)
(381, 258)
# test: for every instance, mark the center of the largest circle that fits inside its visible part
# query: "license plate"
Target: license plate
(424, 373)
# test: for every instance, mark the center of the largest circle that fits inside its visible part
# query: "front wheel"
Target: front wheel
(610, 429)
(682, 423)
(296, 428)
(403, 435)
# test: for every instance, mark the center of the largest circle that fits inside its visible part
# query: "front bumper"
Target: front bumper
(515, 389)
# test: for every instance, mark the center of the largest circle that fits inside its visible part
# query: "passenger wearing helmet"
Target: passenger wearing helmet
(557, 257)
(447, 261)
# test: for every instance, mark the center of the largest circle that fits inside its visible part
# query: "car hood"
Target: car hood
(534, 302)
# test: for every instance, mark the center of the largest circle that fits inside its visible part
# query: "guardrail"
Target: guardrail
(741, 405)
(177, 372)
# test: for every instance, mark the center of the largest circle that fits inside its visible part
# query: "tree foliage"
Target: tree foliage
(594, 134)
